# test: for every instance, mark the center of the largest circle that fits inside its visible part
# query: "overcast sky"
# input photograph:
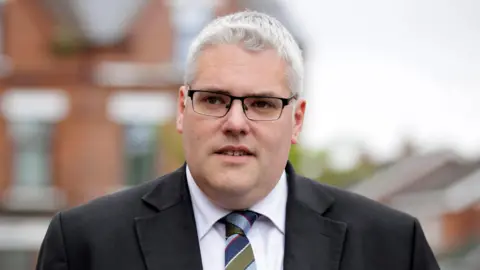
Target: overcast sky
(380, 70)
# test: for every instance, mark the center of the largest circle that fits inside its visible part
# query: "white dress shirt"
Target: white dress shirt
(267, 235)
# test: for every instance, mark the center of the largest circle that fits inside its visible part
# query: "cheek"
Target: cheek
(197, 133)
(276, 138)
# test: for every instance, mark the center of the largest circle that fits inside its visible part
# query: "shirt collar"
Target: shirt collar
(207, 213)
(273, 206)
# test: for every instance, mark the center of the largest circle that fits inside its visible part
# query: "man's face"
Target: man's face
(238, 181)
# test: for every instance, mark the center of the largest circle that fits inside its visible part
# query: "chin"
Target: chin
(233, 182)
(235, 172)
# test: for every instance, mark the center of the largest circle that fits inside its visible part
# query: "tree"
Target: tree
(317, 164)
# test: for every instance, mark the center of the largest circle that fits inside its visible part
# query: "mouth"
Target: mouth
(234, 151)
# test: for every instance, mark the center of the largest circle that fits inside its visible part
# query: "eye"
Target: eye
(213, 100)
(263, 104)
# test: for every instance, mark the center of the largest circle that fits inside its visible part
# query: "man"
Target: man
(237, 203)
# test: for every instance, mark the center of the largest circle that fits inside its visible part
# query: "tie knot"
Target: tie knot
(239, 222)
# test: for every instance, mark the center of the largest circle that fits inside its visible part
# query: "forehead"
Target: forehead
(239, 71)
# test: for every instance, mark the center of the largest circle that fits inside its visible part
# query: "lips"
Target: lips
(234, 151)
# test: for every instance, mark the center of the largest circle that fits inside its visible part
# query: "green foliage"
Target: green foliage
(172, 143)
(295, 156)
(67, 42)
(317, 164)
(345, 178)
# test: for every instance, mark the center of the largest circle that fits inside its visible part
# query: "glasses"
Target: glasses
(256, 108)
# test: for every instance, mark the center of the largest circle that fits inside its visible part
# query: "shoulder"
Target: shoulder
(365, 219)
(356, 209)
(119, 201)
(121, 205)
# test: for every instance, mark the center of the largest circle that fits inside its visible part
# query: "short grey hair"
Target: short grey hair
(255, 31)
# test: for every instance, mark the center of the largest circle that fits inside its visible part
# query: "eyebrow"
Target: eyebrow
(248, 94)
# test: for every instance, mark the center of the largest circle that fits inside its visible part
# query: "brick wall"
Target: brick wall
(87, 158)
(152, 35)
(5, 157)
(458, 227)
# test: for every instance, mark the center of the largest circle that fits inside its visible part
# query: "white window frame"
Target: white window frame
(22, 105)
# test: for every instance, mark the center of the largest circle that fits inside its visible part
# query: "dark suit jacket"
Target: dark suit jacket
(152, 227)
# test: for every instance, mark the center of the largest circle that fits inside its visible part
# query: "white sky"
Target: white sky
(380, 70)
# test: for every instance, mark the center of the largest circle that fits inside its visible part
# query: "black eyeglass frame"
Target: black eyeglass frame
(285, 102)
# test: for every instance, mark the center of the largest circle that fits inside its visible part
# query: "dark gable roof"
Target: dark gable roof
(443, 177)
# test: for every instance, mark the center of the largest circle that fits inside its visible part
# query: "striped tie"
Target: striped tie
(238, 251)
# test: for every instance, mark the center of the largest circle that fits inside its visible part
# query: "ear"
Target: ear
(298, 117)
(182, 97)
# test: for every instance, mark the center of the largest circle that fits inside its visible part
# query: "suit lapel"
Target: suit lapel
(168, 238)
(312, 241)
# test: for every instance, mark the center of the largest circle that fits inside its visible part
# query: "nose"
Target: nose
(236, 122)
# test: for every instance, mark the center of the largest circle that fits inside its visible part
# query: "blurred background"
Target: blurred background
(87, 93)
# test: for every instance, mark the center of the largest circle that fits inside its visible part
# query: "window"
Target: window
(31, 115)
(141, 114)
(32, 153)
(140, 153)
